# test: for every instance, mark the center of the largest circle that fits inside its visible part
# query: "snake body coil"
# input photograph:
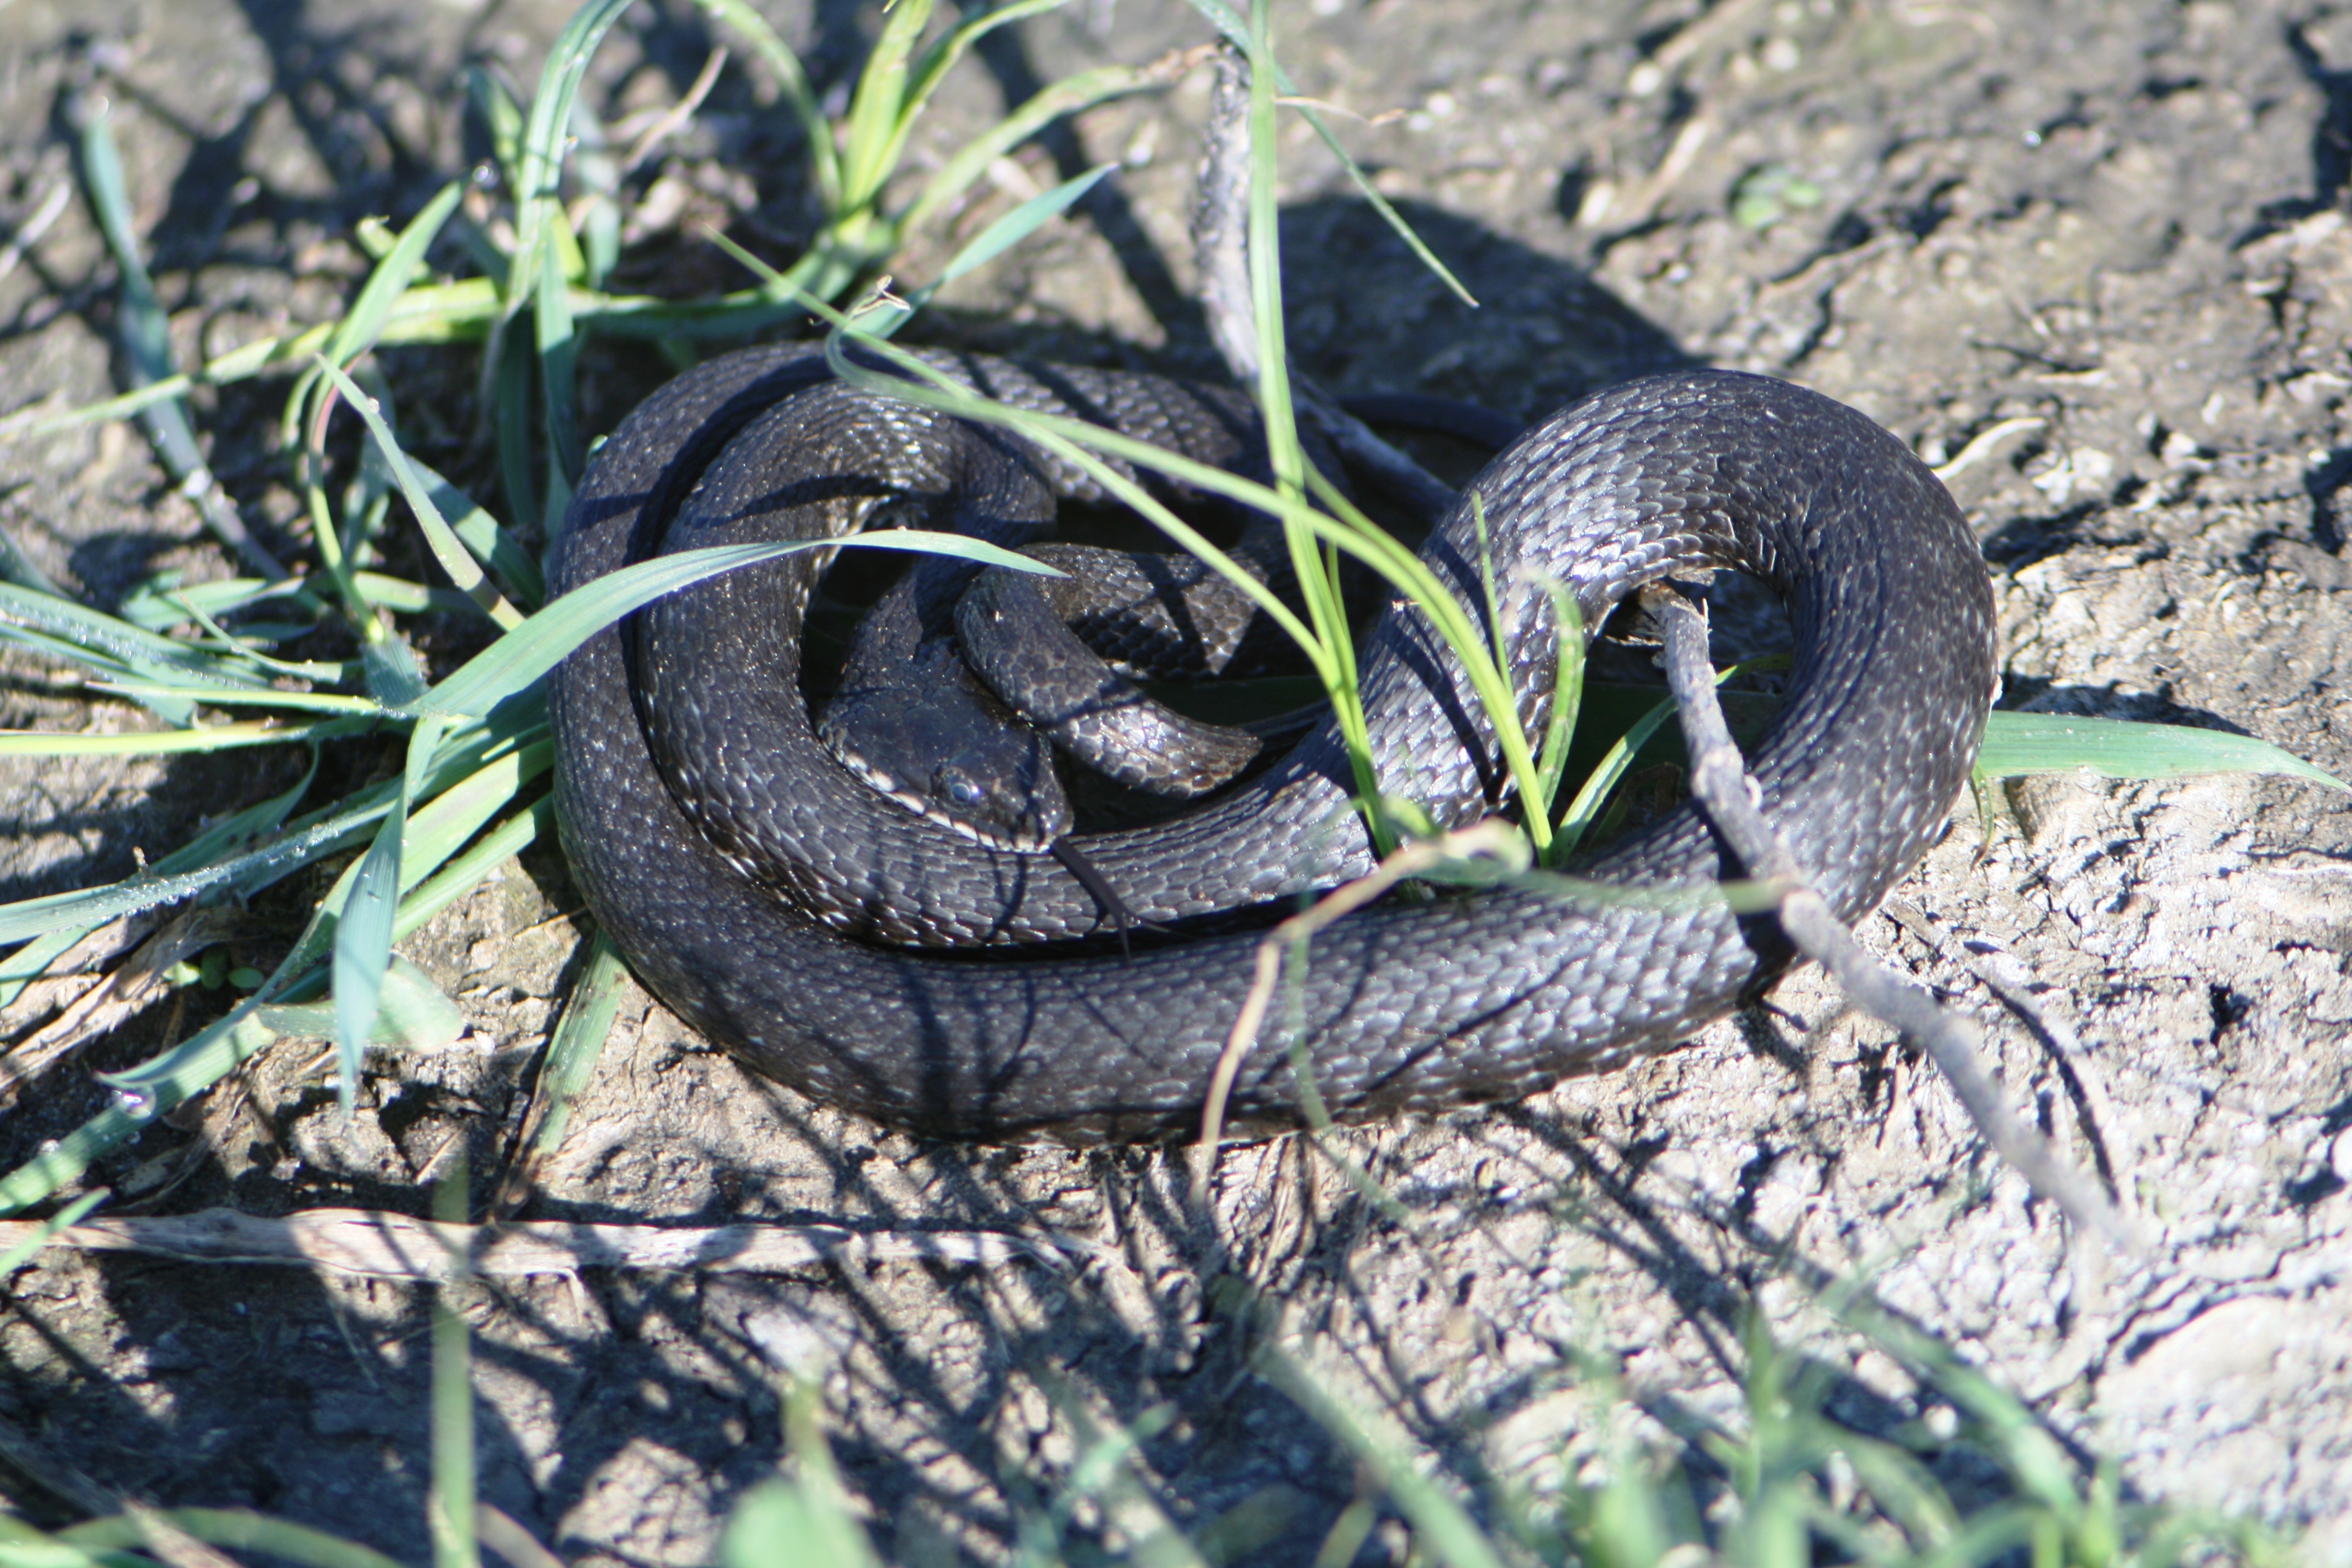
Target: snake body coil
(762, 920)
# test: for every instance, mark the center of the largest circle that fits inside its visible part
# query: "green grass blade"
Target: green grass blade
(456, 807)
(19, 568)
(217, 639)
(30, 961)
(1318, 578)
(540, 163)
(511, 397)
(198, 1062)
(442, 540)
(1446, 1529)
(446, 822)
(412, 1015)
(170, 710)
(559, 354)
(322, 833)
(825, 163)
(541, 643)
(466, 311)
(599, 174)
(1902, 1488)
(169, 743)
(362, 949)
(804, 1522)
(449, 1503)
(1105, 1473)
(122, 405)
(1229, 22)
(1586, 807)
(334, 702)
(1988, 1536)
(509, 740)
(735, 315)
(571, 1056)
(244, 1531)
(1020, 224)
(114, 645)
(26, 964)
(158, 606)
(464, 785)
(1051, 102)
(458, 878)
(871, 133)
(1567, 700)
(213, 1053)
(147, 336)
(951, 45)
(940, 58)
(2019, 743)
(580, 1038)
(1275, 411)
(358, 330)
(22, 1546)
(30, 917)
(67, 1161)
(502, 117)
(390, 672)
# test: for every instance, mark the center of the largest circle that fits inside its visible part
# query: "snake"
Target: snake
(884, 965)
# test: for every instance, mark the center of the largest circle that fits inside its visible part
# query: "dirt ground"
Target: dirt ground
(2122, 221)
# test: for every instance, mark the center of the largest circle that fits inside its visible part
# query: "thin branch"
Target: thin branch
(139, 980)
(1720, 781)
(1221, 218)
(381, 1246)
(1221, 255)
(669, 121)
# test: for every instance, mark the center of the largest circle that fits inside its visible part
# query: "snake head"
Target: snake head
(930, 736)
(1013, 801)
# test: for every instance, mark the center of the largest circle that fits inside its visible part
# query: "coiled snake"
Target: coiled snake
(769, 920)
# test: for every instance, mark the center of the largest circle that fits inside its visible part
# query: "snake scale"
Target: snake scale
(800, 926)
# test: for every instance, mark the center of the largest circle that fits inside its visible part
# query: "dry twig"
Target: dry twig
(1221, 254)
(1719, 779)
(380, 1245)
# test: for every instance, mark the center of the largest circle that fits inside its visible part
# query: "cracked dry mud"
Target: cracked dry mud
(2124, 222)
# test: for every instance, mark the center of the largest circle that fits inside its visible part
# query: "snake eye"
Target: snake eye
(958, 787)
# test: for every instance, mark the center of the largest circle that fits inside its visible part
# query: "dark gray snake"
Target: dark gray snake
(764, 920)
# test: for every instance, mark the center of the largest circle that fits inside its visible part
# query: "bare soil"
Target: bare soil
(2122, 220)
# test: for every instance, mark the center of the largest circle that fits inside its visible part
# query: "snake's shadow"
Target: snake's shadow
(1364, 314)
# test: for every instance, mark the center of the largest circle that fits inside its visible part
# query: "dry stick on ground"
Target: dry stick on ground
(1221, 217)
(384, 1245)
(1221, 256)
(1720, 782)
(137, 982)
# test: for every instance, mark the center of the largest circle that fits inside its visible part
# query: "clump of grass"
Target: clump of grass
(1787, 1487)
(472, 791)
